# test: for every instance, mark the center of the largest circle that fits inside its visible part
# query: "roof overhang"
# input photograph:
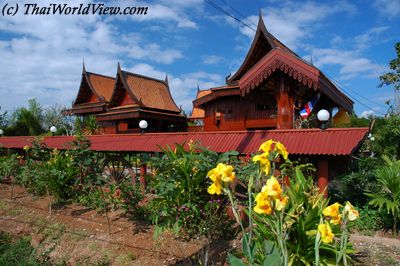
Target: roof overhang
(217, 93)
(295, 68)
(329, 142)
(84, 108)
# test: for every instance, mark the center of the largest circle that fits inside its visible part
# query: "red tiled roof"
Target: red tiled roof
(103, 85)
(215, 93)
(151, 92)
(16, 142)
(334, 141)
(198, 113)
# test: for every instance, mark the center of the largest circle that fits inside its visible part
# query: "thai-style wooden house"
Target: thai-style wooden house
(120, 103)
(267, 91)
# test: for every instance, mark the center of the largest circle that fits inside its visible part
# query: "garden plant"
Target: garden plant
(289, 220)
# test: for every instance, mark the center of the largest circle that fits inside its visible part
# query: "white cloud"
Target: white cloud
(43, 57)
(367, 39)
(291, 23)
(387, 8)
(212, 59)
(367, 113)
(350, 63)
(164, 11)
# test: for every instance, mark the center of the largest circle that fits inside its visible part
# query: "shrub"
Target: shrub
(388, 196)
(371, 221)
(289, 224)
(19, 252)
(180, 186)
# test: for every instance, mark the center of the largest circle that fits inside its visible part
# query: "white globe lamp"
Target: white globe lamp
(143, 125)
(323, 116)
(1, 132)
(53, 129)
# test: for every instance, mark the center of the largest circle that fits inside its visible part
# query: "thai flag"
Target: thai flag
(304, 113)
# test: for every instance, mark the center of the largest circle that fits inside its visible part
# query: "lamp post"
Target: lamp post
(143, 125)
(53, 130)
(323, 116)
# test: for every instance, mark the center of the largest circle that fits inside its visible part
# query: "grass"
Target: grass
(19, 252)
(126, 259)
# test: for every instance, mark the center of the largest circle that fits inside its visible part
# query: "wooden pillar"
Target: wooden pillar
(143, 170)
(323, 175)
(285, 103)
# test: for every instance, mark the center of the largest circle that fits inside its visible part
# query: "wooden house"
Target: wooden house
(268, 90)
(120, 103)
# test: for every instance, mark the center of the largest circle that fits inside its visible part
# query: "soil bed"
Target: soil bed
(75, 235)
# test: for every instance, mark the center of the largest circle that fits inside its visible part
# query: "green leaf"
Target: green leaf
(235, 261)
(272, 254)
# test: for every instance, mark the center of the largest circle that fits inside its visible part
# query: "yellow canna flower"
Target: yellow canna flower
(266, 168)
(273, 188)
(215, 188)
(281, 149)
(221, 174)
(352, 212)
(263, 203)
(266, 146)
(326, 233)
(332, 211)
(26, 148)
(280, 203)
(262, 158)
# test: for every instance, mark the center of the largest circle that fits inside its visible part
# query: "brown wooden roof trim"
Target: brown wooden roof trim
(216, 93)
(169, 92)
(85, 77)
(84, 108)
(261, 32)
(136, 113)
(121, 76)
(278, 60)
(298, 70)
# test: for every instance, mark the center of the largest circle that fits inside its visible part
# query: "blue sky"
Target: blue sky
(195, 44)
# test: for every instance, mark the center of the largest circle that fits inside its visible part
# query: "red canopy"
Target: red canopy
(333, 141)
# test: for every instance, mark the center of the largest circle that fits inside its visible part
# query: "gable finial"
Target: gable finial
(198, 88)
(261, 23)
(311, 60)
(119, 66)
(83, 66)
(166, 79)
(227, 77)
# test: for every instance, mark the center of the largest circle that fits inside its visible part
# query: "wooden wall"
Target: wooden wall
(255, 111)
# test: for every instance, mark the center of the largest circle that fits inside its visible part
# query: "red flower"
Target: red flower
(117, 193)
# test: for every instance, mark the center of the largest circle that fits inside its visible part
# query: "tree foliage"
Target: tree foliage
(393, 78)
(388, 197)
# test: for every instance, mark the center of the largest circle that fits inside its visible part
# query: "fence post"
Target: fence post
(143, 170)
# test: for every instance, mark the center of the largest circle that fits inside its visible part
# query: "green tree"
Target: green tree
(387, 136)
(4, 120)
(388, 197)
(55, 116)
(24, 123)
(393, 78)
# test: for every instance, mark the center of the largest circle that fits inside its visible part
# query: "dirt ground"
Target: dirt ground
(75, 235)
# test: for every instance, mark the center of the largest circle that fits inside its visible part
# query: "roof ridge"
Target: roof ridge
(146, 77)
(101, 75)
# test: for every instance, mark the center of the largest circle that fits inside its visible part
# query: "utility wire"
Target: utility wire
(352, 97)
(359, 95)
(217, 7)
(220, 9)
(237, 12)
